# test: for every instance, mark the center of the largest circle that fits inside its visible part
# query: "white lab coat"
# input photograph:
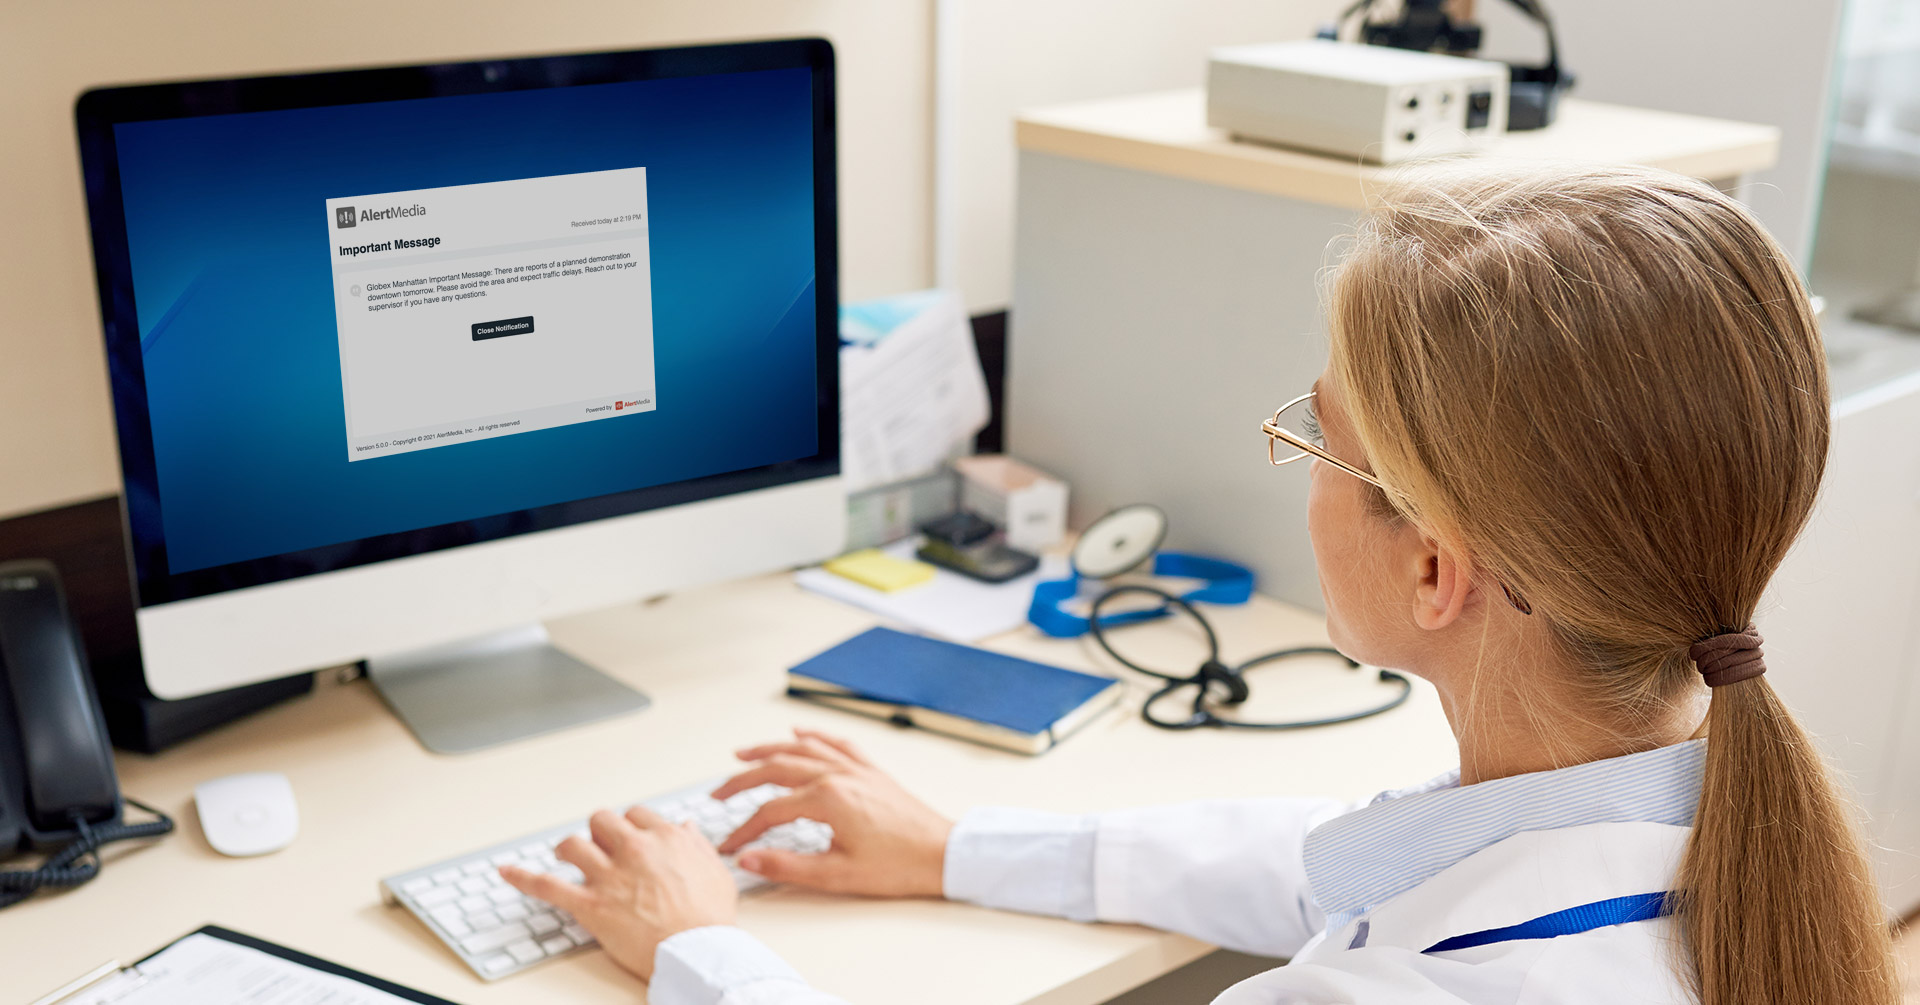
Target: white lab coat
(1400, 874)
(1522, 877)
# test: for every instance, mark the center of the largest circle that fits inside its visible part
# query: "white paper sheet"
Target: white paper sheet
(910, 395)
(203, 970)
(949, 605)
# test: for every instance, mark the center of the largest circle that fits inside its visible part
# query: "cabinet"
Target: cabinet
(1166, 299)
(1840, 622)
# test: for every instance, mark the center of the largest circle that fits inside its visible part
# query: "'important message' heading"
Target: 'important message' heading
(397, 244)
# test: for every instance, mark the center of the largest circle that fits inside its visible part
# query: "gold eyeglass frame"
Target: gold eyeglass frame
(1277, 434)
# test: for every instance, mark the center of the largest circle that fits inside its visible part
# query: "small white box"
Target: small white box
(1368, 101)
(1029, 504)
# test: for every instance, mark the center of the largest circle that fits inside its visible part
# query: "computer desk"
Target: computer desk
(373, 802)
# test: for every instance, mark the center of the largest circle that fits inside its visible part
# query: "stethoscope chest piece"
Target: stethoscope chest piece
(1128, 540)
(1120, 542)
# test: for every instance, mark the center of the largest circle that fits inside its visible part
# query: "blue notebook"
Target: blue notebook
(973, 694)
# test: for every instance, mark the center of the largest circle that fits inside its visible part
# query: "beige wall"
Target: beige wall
(994, 58)
(56, 439)
(1006, 55)
(1729, 59)
(1707, 57)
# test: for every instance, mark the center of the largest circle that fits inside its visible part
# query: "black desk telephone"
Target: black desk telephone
(58, 792)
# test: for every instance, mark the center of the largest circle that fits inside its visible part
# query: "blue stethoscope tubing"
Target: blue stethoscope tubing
(1226, 583)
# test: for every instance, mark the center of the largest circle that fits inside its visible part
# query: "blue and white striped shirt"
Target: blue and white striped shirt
(1405, 837)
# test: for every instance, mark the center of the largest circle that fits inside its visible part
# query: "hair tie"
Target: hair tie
(1729, 657)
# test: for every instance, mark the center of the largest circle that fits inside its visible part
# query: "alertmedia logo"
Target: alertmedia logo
(343, 217)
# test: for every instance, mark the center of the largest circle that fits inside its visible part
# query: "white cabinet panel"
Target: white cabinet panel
(1840, 616)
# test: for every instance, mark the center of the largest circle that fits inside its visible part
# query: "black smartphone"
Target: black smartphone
(969, 545)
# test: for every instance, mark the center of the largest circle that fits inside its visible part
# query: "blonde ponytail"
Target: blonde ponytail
(1605, 385)
(1777, 903)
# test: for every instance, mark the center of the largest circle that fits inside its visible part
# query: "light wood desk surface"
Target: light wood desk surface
(373, 802)
(1167, 133)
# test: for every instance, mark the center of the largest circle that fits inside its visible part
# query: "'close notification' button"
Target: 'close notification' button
(501, 329)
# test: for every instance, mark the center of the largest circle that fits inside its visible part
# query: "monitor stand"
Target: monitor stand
(481, 692)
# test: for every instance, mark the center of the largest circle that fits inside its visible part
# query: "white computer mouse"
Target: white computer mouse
(250, 814)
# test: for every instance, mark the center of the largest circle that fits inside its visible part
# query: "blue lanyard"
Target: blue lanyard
(1572, 921)
(1227, 583)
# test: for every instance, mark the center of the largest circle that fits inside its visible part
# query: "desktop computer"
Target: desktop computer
(406, 361)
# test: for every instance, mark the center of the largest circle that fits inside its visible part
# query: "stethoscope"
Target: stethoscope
(1122, 541)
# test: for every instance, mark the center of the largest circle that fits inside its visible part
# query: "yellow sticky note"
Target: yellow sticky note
(875, 568)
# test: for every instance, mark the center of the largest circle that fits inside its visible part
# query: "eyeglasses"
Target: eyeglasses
(1294, 432)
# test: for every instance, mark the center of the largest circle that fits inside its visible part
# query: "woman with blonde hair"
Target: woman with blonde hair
(1571, 424)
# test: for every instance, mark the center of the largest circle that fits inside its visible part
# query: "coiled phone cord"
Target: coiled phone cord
(79, 860)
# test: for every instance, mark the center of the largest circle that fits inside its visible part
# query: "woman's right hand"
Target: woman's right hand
(886, 843)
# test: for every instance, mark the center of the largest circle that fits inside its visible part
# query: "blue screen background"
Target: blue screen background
(230, 240)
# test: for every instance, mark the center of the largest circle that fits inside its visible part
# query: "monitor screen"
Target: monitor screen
(352, 330)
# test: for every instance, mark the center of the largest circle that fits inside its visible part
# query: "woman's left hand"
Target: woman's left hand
(644, 879)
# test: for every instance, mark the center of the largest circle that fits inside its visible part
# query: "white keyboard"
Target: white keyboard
(498, 932)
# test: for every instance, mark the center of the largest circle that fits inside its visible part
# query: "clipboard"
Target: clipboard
(107, 971)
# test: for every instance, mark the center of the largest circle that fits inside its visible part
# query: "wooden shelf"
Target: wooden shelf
(1167, 134)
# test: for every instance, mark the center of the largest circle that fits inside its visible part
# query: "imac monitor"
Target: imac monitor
(406, 361)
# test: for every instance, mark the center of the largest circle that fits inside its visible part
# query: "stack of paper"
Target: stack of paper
(949, 605)
(911, 389)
